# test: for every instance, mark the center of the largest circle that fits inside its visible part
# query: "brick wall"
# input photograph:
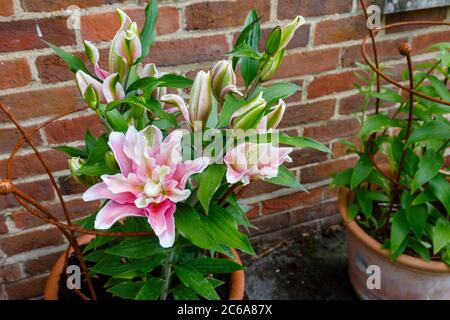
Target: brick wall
(192, 34)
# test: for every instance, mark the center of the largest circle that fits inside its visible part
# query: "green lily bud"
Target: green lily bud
(223, 80)
(200, 102)
(110, 161)
(287, 32)
(250, 114)
(275, 116)
(75, 163)
(91, 97)
(271, 66)
(273, 41)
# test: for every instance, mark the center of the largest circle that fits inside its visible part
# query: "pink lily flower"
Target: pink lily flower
(151, 181)
(251, 160)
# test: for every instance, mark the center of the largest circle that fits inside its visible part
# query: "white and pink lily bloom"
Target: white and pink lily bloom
(251, 160)
(151, 181)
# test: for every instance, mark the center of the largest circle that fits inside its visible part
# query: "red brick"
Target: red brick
(42, 264)
(387, 49)
(53, 69)
(10, 137)
(291, 201)
(353, 104)
(289, 9)
(41, 103)
(6, 8)
(433, 14)
(30, 241)
(324, 171)
(55, 5)
(254, 211)
(21, 35)
(320, 211)
(68, 186)
(10, 273)
(421, 43)
(259, 187)
(39, 190)
(330, 83)
(270, 223)
(222, 14)
(302, 157)
(103, 26)
(77, 209)
(14, 73)
(309, 62)
(63, 131)
(333, 129)
(191, 50)
(340, 149)
(307, 113)
(334, 31)
(3, 227)
(26, 289)
(296, 97)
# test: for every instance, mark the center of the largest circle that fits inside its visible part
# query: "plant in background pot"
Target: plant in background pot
(395, 201)
(169, 167)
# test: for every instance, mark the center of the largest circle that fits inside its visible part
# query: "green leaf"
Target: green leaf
(429, 165)
(207, 265)
(137, 248)
(73, 152)
(417, 219)
(424, 197)
(399, 230)
(73, 62)
(440, 87)
(98, 151)
(95, 170)
(286, 178)
(361, 171)
(244, 51)
(113, 265)
(420, 249)
(230, 106)
(181, 292)
(387, 95)
(441, 235)
(249, 67)
(375, 123)
(342, 179)
(168, 80)
(148, 33)
(434, 129)
(209, 183)
(191, 227)
(302, 142)
(441, 189)
(150, 290)
(126, 289)
(364, 201)
(194, 280)
(251, 27)
(279, 90)
(353, 210)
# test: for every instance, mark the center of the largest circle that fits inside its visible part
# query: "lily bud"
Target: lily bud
(271, 66)
(128, 45)
(276, 115)
(94, 56)
(75, 163)
(84, 81)
(178, 102)
(250, 114)
(287, 32)
(151, 71)
(116, 63)
(112, 89)
(223, 80)
(110, 161)
(200, 102)
(91, 98)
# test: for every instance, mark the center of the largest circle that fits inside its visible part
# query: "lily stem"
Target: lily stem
(167, 275)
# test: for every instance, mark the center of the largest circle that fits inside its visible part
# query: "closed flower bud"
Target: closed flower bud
(200, 103)
(271, 66)
(276, 115)
(91, 97)
(287, 32)
(250, 114)
(112, 89)
(128, 45)
(94, 56)
(151, 71)
(84, 81)
(223, 80)
(110, 161)
(116, 62)
(75, 163)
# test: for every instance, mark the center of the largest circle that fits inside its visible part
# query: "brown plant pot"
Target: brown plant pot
(236, 289)
(407, 278)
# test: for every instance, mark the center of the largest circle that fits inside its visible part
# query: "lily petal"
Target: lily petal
(113, 212)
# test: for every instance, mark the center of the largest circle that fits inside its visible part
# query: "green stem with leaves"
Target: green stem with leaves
(167, 274)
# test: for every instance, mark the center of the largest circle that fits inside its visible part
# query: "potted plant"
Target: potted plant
(166, 170)
(395, 201)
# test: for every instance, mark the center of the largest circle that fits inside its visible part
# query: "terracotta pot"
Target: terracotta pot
(236, 290)
(407, 278)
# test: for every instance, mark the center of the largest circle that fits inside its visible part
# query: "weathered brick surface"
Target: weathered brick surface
(432, 14)
(35, 84)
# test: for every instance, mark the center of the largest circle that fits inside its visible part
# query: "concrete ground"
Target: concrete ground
(313, 267)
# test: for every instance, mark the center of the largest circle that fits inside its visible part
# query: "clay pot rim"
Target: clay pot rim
(374, 245)
(236, 286)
